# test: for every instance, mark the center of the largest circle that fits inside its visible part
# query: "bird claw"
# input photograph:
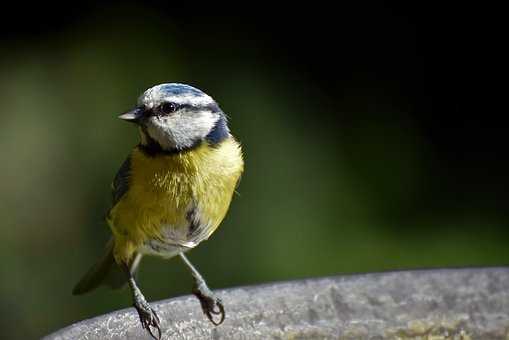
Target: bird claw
(149, 320)
(211, 305)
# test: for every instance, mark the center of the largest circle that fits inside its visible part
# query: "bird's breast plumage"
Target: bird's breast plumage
(174, 201)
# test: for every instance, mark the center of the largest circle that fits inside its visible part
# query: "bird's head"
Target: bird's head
(175, 117)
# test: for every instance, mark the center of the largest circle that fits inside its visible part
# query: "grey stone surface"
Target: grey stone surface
(428, 304)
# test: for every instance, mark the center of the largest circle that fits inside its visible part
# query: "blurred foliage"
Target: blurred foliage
(321, 195)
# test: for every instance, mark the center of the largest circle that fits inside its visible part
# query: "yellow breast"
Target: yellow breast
(163, 189)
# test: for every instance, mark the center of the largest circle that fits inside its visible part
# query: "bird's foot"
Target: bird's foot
(148, 317)
(212, 306)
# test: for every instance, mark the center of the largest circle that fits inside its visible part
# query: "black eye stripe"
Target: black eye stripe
(213, 107)
(186, 106)
(168, 107)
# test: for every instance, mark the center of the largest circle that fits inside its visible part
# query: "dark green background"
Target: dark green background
(366, 148)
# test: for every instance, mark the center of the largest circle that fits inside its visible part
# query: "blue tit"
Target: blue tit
(171, 193)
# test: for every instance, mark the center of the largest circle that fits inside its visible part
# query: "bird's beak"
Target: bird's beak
(133, 116)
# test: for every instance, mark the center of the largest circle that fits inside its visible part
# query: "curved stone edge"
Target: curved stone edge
(471, 303)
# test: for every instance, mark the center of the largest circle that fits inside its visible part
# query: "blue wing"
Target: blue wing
(120, 183)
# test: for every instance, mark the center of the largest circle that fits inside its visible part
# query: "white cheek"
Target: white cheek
(161, 133)
(186, 130)
(181, 130)
(197, 126)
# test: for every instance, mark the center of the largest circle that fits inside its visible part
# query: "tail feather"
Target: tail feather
(105, 271)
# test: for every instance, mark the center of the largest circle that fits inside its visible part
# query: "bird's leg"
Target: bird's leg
(148, 316)
(211, 305)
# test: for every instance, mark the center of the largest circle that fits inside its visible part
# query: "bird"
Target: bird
(171, 193)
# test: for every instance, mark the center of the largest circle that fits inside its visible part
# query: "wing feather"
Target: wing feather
(120, 183)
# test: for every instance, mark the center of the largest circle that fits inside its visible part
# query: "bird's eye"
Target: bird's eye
(167, 108)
